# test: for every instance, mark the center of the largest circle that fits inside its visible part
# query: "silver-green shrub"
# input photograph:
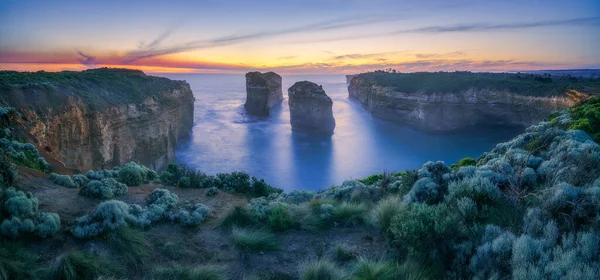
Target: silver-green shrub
(105, 188)
(63, 180)
(20, 215)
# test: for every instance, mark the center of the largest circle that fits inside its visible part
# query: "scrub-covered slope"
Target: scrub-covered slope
(528, 209)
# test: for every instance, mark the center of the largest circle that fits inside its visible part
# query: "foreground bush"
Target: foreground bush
(21, 217)
(106, 188)
(365, 269)
(63, 180)
(16, 262)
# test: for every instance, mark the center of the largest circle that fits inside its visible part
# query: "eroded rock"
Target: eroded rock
(310, 108)
(263, 92)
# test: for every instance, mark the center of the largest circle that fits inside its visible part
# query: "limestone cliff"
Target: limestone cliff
(102, 117)
(263, 92)
(441, 102)
(310, 108)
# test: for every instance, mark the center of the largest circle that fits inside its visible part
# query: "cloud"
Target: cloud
(439, 55)
(241, 38)
(477, 27)
(87, 60)
(465, 27)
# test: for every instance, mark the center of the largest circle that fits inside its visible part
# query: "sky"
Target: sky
(299, 36)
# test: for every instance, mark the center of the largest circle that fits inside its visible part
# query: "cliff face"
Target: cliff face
(104, 117)
(310, 108)
(448, 111)
(263, 91)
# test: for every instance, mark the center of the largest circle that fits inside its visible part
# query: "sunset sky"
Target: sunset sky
(299, 36)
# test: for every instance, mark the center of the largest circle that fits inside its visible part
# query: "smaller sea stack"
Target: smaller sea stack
(263, 92)
(310, 108)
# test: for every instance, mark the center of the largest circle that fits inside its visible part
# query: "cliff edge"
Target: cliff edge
(101, 118)
(448, 101)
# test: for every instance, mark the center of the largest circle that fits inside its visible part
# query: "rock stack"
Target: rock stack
(263, 92)
(310, 108)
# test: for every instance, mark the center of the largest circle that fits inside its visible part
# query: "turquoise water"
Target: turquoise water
(225, 139)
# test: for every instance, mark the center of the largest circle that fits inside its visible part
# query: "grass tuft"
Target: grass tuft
(202, 272)
(381, 215)
(74, 265)
(365, 269)
(322, 269)
(254, 240)
(349, 213)
(238, 216)
(16, 262)
(129, 244)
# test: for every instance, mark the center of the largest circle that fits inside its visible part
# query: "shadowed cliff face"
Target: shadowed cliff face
(310, 108)
(454, 110)
(263, 91)
(86, 124)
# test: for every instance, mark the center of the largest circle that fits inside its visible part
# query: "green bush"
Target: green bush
(321, 269)
(132, 174)
(80, 180)
(63, 180)
(464, 162)
(212, 191)
(19, 215)
(342, 253)
(236, 216)
(254, 240)
(425, 230)
(106, 188)
(280, 217)
(192, 216)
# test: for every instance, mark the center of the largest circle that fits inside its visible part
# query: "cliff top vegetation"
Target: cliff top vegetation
(99, 88)
(440, 82)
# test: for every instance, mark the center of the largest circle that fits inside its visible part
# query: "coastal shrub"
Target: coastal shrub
(477, 187)
(586, 117)
(80, 180)
(24, 154)
(404, 182)
(352, 190)
(573, 256)
(434, 170)
(492, 258)
(366, 269)
(321, 269)
(319, 216)
(192, 215)
(468, 161)
(212, 191)
(371, 179)
(75, 265)
(132, 174)
(425, 190)
(19, 215)
(200, 272)
(297, 197)
(254, 240)
(425, 230)
(280, 216)
(63, 180)
(184, 182)
(571, 161)
(106, 188)
(109, 215)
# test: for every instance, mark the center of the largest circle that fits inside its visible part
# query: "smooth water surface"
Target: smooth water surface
(225, 139)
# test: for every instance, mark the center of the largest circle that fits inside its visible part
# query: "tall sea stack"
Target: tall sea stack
(310, 108)
(263, 92)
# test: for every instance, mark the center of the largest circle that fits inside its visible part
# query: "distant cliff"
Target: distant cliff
(444, 101)
(102, 117)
